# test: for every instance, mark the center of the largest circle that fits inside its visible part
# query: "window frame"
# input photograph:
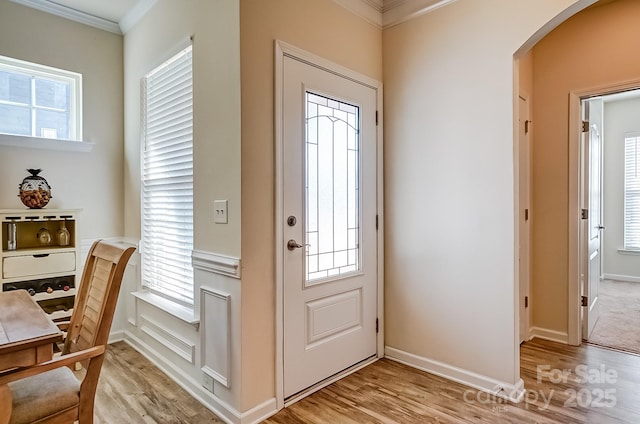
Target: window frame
(628, 246)
(35, 70)
(147, 282)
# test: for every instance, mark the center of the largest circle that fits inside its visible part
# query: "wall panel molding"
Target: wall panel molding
(172, 341)
(218, 264)
(215, 335)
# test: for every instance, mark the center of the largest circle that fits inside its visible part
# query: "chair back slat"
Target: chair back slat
(97, 295)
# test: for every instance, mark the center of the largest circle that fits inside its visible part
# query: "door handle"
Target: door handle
(293, 245)
(601, 227)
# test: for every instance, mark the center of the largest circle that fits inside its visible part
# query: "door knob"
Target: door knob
(293, 245)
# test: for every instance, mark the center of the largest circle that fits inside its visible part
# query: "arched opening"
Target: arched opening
(587, 55)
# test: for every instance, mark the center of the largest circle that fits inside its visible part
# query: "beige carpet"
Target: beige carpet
(619, 323)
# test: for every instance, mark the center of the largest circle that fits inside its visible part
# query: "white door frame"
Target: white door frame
(524, 173)
(281, 50)
(574, 332)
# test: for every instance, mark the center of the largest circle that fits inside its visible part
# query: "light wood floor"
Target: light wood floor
(132, 390)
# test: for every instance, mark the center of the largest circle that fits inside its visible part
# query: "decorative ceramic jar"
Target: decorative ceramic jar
(35, 192)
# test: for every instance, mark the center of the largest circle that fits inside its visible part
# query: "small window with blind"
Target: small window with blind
(632, 192)
(167, 179)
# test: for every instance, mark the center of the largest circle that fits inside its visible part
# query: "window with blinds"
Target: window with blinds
(167, 179)
(632, 193)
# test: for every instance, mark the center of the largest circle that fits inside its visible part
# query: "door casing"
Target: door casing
(283, 49)
(574, 330)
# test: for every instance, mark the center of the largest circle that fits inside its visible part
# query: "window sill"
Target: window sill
(629, 252)
(183, 313)
(45, 143)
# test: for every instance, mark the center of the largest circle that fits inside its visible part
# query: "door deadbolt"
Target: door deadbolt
(291, 221)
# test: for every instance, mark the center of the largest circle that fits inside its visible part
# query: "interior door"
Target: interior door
(330, 249)
(592, 202)
(524, 229)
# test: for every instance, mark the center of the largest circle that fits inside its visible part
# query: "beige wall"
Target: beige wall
(449, 184)
(594, 48)
(163, 31)
(324, 29)
(89, 181)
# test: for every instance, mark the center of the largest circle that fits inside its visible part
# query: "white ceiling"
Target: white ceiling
(120, 15)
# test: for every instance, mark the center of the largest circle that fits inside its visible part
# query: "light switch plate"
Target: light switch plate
(220, 211)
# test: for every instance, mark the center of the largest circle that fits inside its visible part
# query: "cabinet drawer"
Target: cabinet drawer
(29, 265)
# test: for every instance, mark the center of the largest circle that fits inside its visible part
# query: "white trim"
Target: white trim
(71, 14)
(26, 142)
(513, 392)
(384, 14)
(370, 11)
(405, 10)
(618, 277)
(574, 330)
(629, 252)
(216, 364)
(116, 336)
(216, 263)
(136, 14)
(281, 50)
(183, 313)
(172, 341)
(551, 335)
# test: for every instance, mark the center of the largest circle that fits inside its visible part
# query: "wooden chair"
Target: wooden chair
(50, 392)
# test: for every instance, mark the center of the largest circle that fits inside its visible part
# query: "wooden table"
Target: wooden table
(27, 336)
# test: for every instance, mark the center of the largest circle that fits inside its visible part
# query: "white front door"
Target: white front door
(592, 202)
(329, 230)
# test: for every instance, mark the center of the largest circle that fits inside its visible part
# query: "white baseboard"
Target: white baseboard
(219, 407)
(617, 277)
(551, 335)
(116, 336)
(512, 392)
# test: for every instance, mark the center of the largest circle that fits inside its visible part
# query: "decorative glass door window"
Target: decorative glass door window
(332, 196)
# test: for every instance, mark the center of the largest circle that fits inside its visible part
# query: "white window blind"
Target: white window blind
(167, 179)
(632, 193)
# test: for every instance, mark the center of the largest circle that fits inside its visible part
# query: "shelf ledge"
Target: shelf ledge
(183, 313)
(45, 143)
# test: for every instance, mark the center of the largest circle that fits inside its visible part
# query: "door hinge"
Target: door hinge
(526, 126)
(585, 126)
(376, 222)
(585, 214)
(526, 301)
(376, 117)
(584, 301)
(526, 214)
(377, 327)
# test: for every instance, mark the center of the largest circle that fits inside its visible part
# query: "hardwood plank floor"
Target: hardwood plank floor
(132, 390)
(388, 392)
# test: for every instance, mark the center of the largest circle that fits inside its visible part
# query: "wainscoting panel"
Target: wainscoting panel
(170, 340)
(215, 335)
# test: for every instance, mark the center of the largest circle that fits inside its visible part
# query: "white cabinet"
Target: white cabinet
(39, 256)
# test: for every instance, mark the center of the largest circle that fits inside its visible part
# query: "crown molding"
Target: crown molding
(72, 14)
(398, 11)
(134, 15)
(387, 13)
(369, 10)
